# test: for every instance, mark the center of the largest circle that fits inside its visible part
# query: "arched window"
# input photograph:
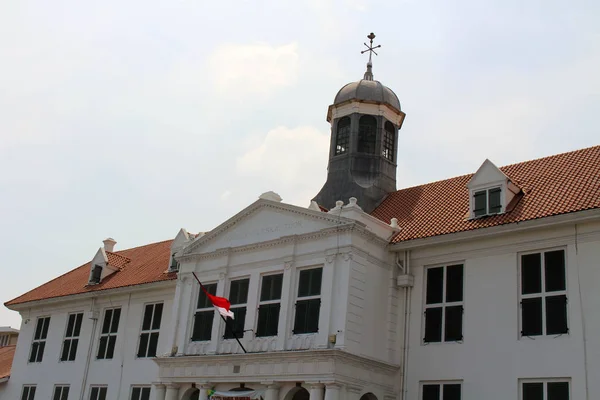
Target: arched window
(367, 134)
(389, 136)
(342, 137)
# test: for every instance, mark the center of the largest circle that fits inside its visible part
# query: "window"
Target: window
(39, 339)
(389, 136)
(444, 304)
(150, 330)
(342, 138)
(96, 274)
(28, 392)
(487, 202)
(545, 390)
(140, 393)
(69, 349)
(442, 391)
(108, 336)
(543, 294)
(308, 304)
(238, 296)
(205, 313)
(269, 305)
(367, 134)
(98, 393)
(61, 393)
(4, 340)
(174, 264)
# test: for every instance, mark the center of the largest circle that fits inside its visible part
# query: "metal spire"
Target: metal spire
(369, 73)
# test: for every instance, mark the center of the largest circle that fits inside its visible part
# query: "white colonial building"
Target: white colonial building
(484, 286)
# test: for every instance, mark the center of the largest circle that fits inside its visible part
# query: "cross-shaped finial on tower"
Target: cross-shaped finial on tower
(369, 73)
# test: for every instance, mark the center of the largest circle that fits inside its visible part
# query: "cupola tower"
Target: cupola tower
(365, 118)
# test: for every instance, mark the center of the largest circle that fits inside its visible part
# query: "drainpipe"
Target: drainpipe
(94, 318)
(405, 267)
(124, 345)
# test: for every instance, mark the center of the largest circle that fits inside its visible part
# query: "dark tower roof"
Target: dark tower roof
(367, 91)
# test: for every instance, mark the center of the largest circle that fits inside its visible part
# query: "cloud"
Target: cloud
(256, 69)
(291, 161)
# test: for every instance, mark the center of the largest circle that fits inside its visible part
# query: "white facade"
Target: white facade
(118, 374)
(358, 351)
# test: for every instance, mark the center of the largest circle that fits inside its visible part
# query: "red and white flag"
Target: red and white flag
(220, 303)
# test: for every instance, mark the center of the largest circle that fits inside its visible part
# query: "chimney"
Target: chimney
(109, 244)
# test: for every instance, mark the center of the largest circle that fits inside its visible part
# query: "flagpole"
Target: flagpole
(222, 317)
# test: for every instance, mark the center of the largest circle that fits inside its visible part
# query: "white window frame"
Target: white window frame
(313, 297)
(545, 381)
(444, 304)
(543, 294)
(238, 305)
(149, 331)
(99, 387)
(109, 334)
(265, 302)
(209, 307)
(39, 340)
(72, 337)
(30, 396)
(61, 387)
(441, 384)
(487, 190)
(142, 387)
(174, 265)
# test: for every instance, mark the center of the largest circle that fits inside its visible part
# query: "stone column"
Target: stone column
(316, 391)
(203, 387)
(172, 392)
(272, 392)
(332, 392)
(159, 391)
(353, 392)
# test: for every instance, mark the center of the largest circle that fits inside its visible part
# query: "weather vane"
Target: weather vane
(370, 47)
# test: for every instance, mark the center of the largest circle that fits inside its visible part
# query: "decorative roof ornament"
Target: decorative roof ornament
(369, 73)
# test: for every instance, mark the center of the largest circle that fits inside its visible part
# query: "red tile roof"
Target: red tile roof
(554, 185)
(6, 358)
(144, 264)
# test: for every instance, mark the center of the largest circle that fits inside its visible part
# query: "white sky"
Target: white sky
(134, 119)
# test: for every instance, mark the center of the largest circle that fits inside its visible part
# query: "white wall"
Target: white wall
(492, 358)
(119, 373)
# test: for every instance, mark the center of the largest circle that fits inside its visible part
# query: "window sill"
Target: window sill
(544, 337)
(442, 343)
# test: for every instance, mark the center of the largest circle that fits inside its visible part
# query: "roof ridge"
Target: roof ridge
(140, 246)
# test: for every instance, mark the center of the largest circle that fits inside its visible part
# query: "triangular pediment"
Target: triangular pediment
(487, 174)
(264, 221)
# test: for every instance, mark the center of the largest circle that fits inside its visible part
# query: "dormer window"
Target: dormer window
(96, 274)
(174, 264)
(487, 202)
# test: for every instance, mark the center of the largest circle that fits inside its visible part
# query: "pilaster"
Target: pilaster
(159, 391)
(172, 391)
(316, 391)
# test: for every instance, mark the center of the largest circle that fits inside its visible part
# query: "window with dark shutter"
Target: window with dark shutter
(308, 304)
(174, 264)
(98, 393)
(96, 274)
(61, 393)
(140, 393)
(389, 137)
(487, 202)
(69, 348)
(444, 304)
(494, 201)
(342, 138)
(269, 305)
(38, 345)
(108, 334)
(442, 391)
(28, 392)
(545, 390)
(204, 316)
(150, 330)
(238, 297)
(480, 203)
(543, 294)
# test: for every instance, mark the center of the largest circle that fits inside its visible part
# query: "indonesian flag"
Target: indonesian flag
(220, 303)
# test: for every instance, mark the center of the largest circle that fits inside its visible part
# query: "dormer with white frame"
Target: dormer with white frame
(182, 239)
(490, 191)
(100, 267)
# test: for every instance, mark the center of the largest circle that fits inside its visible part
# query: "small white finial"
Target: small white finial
(339, 204)
(109, 244)
(353, 201)
(271, 196)
(314, 206)
(394, 223)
